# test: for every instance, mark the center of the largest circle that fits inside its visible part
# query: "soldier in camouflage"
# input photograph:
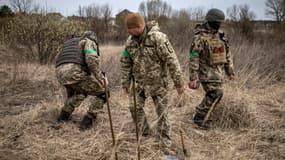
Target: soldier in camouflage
(77, 69)
(150, 58)
(210, 58)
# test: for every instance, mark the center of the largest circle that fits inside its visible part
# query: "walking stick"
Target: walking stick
(136, 117)
(182, 139)
(182, 142)
(110, 118)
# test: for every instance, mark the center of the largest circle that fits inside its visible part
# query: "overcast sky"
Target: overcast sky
(70, 7)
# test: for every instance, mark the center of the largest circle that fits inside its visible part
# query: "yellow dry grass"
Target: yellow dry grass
(249, 122)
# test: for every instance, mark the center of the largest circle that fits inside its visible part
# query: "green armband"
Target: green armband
(126, 54)
(194, 54)
(90, 51)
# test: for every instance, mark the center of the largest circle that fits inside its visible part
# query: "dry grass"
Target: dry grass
(249, 121)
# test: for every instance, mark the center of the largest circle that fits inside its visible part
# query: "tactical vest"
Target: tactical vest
(217, 49)
(71, 52)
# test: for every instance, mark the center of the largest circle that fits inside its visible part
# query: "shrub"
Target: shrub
(41, 34)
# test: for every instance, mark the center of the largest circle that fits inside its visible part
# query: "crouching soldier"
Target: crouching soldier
(77, 69)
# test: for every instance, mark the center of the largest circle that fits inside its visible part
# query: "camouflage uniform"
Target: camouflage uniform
(81, 82)
(151, 59)
(209, 58)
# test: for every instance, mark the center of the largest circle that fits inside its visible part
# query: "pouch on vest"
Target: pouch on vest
(217, 51)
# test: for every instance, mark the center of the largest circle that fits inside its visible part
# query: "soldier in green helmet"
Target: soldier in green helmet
(209, 59)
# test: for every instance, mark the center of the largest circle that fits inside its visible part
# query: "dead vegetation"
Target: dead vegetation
(248, 123)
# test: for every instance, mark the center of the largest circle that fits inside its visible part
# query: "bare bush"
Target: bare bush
(179, 29)
(41, 34)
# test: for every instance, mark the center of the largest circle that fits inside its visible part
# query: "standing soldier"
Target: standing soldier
(209, 58)
(150, 58)
(77, 69)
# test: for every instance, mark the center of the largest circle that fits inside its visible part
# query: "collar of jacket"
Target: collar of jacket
(206, 28)
(140, 38)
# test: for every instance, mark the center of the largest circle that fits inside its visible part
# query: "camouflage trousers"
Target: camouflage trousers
(161, 107)
(214, 93)
(78, 92)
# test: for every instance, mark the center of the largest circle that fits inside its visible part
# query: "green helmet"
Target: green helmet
(215, 15)
(91, 35)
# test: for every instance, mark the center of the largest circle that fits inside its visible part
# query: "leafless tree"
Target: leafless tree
(22, 6)
(143, 9)
(180, 21)
(97, 18)
(196, 14)
(233, 12)
(80, 11)
(240, 13)
(245, 13)
(153, 9)
(241, 18)
(106, 15)
(276, 9)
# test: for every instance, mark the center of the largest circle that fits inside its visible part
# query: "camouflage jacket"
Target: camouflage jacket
(203, 64)
(71, 73)
(152, 61)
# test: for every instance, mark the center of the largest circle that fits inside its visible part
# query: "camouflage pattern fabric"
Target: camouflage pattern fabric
(209, 98)
(80, 84)
(161, 104)
(200, 64)
(152, 60)
(209, 69)
(76, 93)
(92, 57)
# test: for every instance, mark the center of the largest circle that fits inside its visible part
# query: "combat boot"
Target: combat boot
(64, 116)
(198, 119)
(87, 122)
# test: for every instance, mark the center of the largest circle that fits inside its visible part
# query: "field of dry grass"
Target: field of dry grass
(249, 121)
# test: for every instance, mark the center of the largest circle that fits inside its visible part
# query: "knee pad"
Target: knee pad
(75, 100)
(215, 94)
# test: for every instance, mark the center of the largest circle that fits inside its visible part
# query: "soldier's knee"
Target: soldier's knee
(215, 94)
(219, 93)
(75, 100)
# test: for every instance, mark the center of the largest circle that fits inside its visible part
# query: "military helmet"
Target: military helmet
(215, 15)
(91, 35)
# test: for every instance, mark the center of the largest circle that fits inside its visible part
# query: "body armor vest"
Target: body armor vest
(71, 52)
(216, 49)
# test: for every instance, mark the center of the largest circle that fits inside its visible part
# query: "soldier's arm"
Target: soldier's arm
(92, 58)
(194, 57)
(126, 69)
(167, 53)
(229, 66)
